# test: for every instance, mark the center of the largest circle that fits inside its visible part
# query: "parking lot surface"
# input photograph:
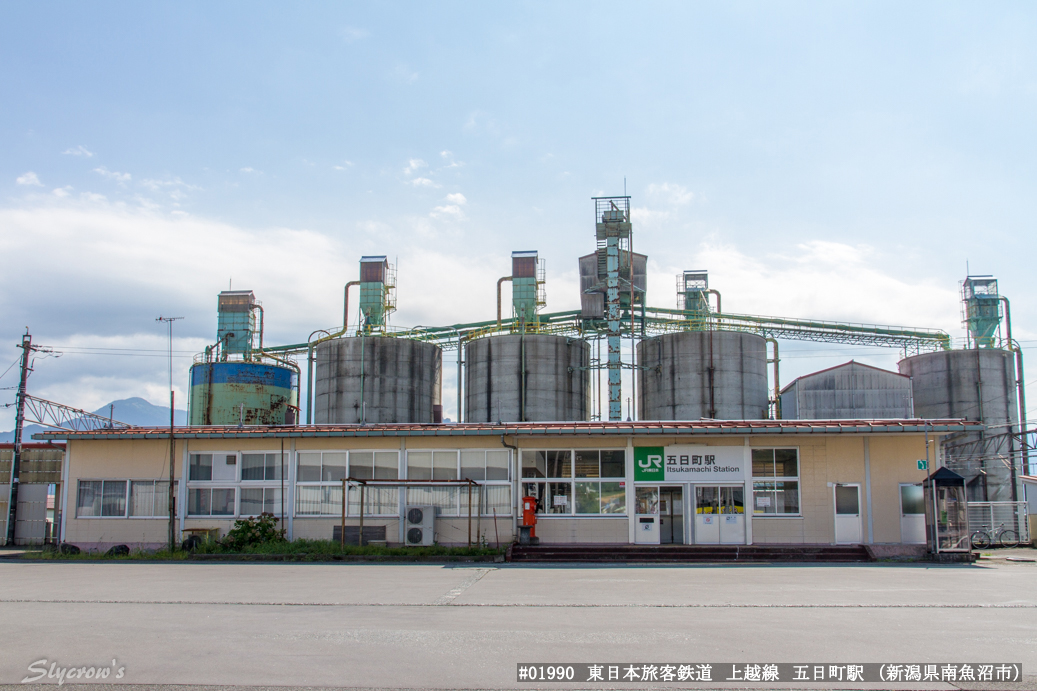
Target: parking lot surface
(467, 627)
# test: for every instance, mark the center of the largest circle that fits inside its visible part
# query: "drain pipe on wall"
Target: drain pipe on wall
(515, 498)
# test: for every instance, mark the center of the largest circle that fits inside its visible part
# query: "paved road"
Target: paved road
(449, 627)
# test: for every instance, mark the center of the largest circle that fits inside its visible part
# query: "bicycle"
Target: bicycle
(1005, 537)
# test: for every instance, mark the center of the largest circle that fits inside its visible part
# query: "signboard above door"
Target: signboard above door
(689, 464)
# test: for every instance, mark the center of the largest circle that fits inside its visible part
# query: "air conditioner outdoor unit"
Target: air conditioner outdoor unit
(419, 525)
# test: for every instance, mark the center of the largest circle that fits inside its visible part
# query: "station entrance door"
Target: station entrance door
(719, 514)
(671, 515)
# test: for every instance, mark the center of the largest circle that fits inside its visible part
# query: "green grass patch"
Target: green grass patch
(303, 549)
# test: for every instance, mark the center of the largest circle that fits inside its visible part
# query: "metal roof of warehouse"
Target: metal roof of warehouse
(640, 428)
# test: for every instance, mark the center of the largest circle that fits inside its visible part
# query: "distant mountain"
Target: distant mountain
(132, 411)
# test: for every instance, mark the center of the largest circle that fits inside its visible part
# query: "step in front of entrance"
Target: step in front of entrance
(677, 554)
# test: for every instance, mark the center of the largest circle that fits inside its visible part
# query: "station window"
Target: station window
(261, 466)
(491, 468)
(108, 499)
(319, 476)
(257, 500)
(775, 482)
(211, 501)
(583, 482)
(215, 478)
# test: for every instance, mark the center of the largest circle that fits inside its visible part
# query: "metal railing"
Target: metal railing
(989, 515)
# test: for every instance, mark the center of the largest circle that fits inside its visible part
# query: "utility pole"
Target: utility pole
(19, 422)
(172, 442)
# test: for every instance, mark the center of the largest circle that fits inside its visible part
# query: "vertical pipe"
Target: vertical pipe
(360, 538)
(717, 293)
(459, 377)
(1020, 383)
(522, 376)
(469, 513)
(262, 323)
(612, 314)
(310, 398)
(633, 350)
(363, 408)
(499, 281)
(777, 382)
(282, 488)
(342, 530)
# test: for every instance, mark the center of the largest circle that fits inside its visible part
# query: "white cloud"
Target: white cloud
(423, 182)
(448, 157)
(819, 279)
(414, 165)
(457, 198)
(344, 165)
(451, 211)
(62, 191)
(670, 193)
(121, 178)
(29, 179)
(78, 151)
(248, 169)
(351, 34)
(158, 185)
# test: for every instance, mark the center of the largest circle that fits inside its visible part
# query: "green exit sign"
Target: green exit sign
(923, 464)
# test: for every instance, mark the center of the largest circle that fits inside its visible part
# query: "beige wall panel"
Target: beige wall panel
(130, 458)
(583, 530)
(95, 533)
(893, 461)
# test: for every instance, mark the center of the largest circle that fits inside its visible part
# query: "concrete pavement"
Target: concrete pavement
(448, 627)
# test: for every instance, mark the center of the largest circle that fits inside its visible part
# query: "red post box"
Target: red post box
(529, 514)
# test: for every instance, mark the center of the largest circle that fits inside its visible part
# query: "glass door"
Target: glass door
(707, 515)
(732, 515)
(671, 516)
(646, 516)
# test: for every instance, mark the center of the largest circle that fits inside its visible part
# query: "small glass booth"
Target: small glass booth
(946, 512)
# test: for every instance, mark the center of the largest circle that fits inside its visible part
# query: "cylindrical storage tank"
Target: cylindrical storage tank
(675, 382)
(377, 379)
(233, 393)
(977, 384)
(527, 378)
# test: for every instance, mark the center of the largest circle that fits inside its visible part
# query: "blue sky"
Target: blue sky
(831, 160)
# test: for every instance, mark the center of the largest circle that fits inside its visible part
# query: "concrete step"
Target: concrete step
(688, 553)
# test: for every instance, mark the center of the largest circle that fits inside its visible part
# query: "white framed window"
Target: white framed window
(261, 466)
(150, 498)
(211, 501)
(576, 482)
(257, 500)
(776, 482)
(230, 484)
(491, 468)
(213, 467)
(319, 475)
(123, 498)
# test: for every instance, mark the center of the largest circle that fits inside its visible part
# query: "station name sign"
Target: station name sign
(689, 463)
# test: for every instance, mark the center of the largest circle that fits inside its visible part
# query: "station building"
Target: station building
(790, 482)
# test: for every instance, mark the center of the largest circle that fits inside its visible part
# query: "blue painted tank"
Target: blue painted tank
(232, 393)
